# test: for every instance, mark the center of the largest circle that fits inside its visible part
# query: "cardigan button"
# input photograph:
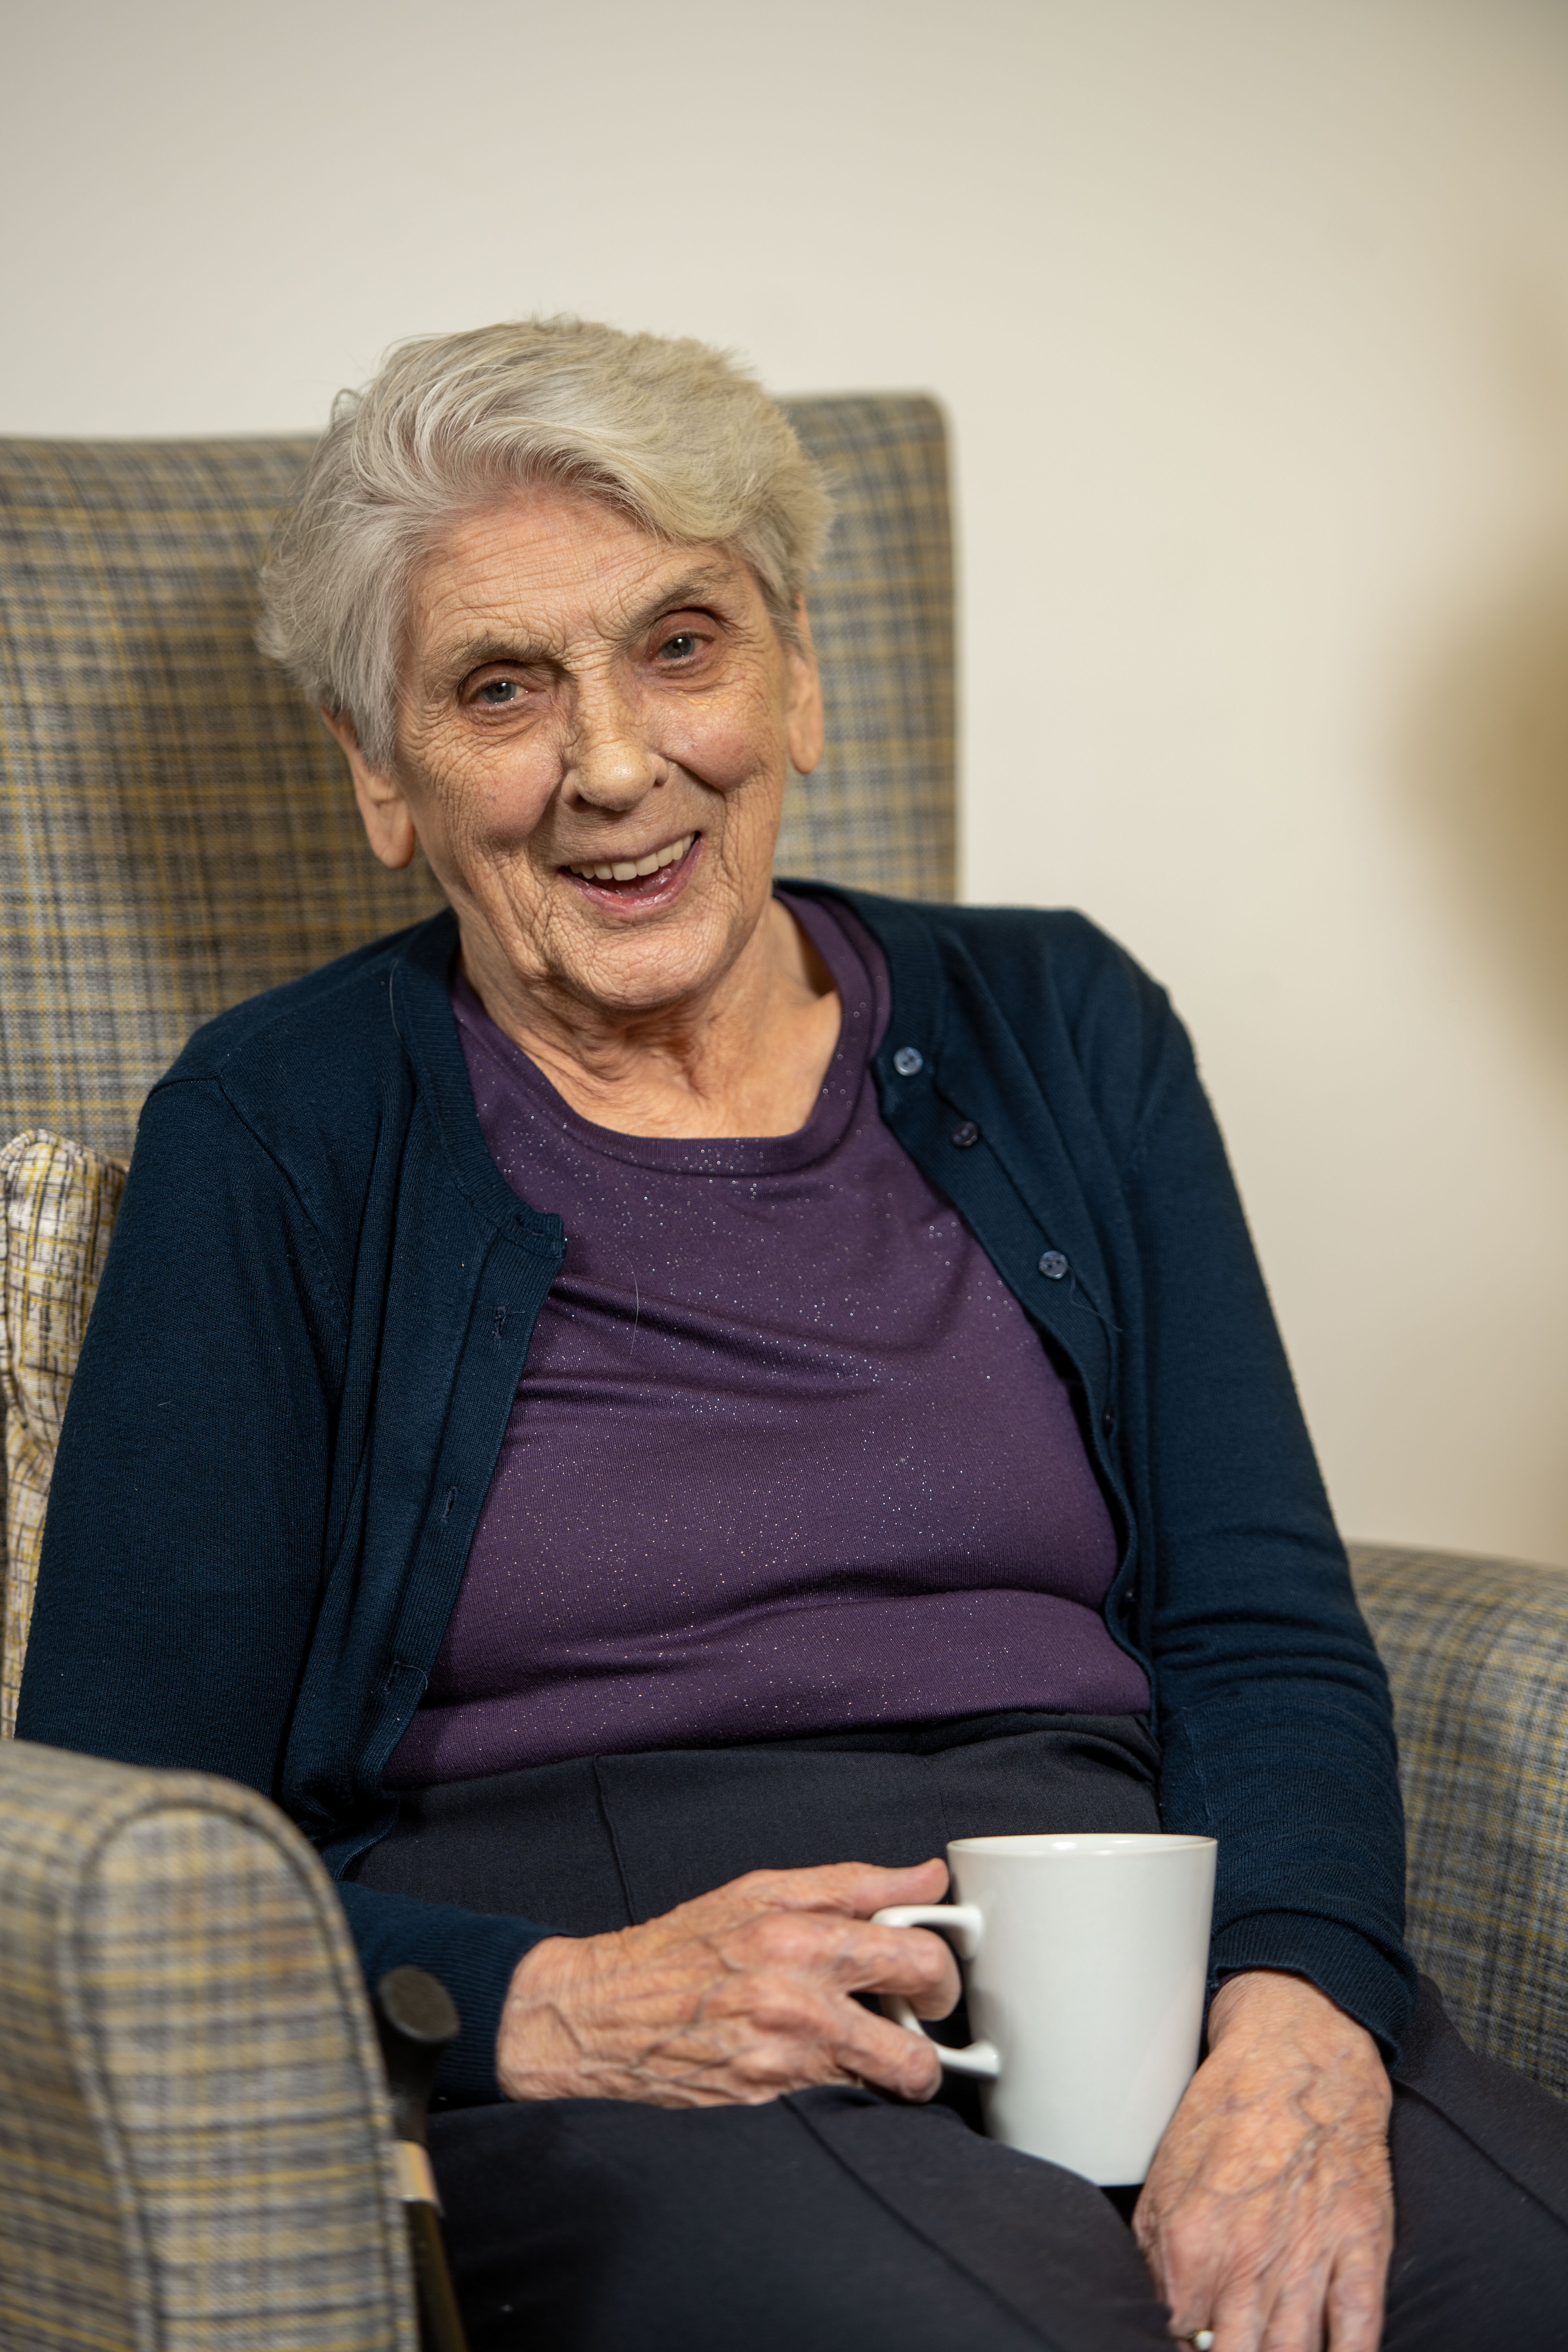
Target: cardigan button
(965, 1133)
(1053, 1265)
(909, 1061)
(1108, 1421)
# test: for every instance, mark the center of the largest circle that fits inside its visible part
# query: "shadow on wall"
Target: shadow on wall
(1487, 758)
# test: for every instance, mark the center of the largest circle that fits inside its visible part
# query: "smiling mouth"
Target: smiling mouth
(630, 869)
(637, 879)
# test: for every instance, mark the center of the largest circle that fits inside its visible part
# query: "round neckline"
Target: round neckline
(701, 1155)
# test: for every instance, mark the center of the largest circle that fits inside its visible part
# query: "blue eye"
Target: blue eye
(681, 645)
(497, 692)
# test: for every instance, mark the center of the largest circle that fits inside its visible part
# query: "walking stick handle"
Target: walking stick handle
(417, 2019)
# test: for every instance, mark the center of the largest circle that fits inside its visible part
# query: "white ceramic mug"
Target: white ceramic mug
(1086, 1959)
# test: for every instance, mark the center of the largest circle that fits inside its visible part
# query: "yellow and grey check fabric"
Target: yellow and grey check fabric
(879, 812)
(177, 831)
(196, 2147)
(57, 1207)
(1477, 1653)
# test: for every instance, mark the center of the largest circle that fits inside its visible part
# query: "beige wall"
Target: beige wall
(1251, 317)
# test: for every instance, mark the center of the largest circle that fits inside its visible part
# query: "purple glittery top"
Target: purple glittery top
(787, 1455)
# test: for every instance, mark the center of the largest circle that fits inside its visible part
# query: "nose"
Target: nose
(610, 763)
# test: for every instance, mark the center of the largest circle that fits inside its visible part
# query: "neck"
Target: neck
(744, 1055)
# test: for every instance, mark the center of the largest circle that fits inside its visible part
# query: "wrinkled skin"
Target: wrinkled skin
(743, 1995)
(574, 691)
(1268, 2212)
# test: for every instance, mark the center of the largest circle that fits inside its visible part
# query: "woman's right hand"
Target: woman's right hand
(737, 1998)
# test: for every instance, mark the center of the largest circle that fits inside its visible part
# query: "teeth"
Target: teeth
(626, 870)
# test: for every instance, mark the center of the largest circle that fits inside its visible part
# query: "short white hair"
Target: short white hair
(672, 433)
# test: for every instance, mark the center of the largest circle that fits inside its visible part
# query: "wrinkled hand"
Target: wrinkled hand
(738, 1997)
(1268, 2214)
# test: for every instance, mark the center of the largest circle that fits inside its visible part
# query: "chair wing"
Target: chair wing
(176, 828)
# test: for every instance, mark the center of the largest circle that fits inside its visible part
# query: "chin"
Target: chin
(635, 975)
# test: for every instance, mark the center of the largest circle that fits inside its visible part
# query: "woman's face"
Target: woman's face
(594, 735)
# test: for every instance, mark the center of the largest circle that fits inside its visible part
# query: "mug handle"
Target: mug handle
(964, 1924)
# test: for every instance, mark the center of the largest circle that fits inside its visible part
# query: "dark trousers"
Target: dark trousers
(840, 2221)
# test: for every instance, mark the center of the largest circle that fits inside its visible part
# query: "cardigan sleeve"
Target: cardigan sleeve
(1275, 1719)
(191, 1505)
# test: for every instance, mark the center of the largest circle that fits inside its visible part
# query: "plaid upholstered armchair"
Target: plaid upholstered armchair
(194, 2138)
(194, 2143)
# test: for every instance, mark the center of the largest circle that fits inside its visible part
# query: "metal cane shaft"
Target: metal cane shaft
(440, 2324)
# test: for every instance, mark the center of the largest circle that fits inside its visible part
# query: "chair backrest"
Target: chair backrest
(176, 828)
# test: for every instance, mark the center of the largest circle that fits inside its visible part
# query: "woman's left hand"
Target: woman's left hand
(1267, 2216)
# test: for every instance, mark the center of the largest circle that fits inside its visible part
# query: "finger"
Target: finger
(851, 1889)
(1355, 2302)
(785, 2034)
(885, 2056)
(1208, 2279)
(914, 1962)
(1283, 2304)
(1236, 2319)
(850, 1956)
(1293, 2322)
(1194, 2297)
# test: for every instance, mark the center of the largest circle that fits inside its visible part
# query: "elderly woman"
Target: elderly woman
(451, 1458)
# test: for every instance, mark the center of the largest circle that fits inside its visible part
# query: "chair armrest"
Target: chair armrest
(1477, 1653)
(194, 2137)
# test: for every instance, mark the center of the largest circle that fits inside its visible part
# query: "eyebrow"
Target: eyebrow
(695, 589)
(473, 653)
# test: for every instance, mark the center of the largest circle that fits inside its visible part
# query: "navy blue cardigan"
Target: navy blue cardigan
(316, 1307)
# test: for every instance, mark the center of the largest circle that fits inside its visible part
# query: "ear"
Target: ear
(803, 717)
(384, 812)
